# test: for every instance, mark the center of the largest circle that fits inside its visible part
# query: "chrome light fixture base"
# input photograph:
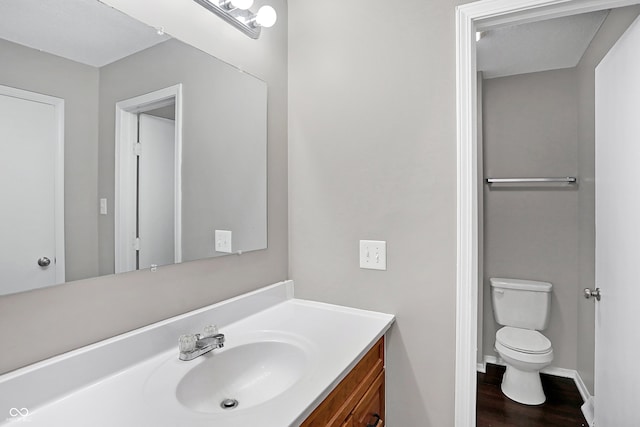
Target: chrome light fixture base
(241, 19)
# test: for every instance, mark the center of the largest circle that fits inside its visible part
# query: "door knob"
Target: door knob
(588, 293)
(44, 262)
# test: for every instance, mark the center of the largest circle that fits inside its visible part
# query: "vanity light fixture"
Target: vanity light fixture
(237, 4)
(237, 13)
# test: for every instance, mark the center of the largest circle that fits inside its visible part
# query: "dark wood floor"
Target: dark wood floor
(562, 408)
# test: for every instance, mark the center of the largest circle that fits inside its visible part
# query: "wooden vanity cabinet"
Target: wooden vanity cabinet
(358, 401)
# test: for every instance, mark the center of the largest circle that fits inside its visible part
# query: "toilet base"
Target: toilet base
(523, 386)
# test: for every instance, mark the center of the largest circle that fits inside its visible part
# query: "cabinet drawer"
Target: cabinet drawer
(336, 408)
(370, 410)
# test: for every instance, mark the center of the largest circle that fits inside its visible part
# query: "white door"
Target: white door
(617, 372)
(156, 191)
(29, 138)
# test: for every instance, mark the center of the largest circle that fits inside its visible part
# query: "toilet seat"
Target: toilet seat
(523, 340)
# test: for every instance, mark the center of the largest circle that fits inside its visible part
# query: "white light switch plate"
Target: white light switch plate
(223, 241)
(373, 254)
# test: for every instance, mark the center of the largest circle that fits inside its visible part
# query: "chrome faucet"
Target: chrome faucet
(194, 345)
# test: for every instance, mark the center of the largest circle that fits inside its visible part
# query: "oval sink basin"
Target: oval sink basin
(250, 374)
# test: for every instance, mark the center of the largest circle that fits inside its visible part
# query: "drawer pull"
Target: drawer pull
(376, 422)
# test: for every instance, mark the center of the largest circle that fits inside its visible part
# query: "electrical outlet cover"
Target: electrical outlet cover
(223, 241)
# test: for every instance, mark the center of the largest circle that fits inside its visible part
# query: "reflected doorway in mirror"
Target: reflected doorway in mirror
(148, 198)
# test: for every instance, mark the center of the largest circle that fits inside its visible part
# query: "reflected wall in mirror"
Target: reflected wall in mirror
(72, 69)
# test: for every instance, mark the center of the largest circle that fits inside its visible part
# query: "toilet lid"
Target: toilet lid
(523, 340)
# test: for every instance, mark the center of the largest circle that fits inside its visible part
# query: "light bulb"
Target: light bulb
(266, 17)
(241, 4)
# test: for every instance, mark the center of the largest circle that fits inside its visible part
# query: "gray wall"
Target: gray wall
(530, 129)
(86, 311)
(168, 112)
(223, 148)
(77, 84)
(372, 155)
(612, 28)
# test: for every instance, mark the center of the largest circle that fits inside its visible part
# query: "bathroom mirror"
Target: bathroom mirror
(122, 148)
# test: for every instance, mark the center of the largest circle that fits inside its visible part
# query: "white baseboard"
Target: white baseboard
(588, 411)
(584, 392)
(587, 408)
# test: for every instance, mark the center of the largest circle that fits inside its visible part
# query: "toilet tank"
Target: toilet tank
(521, 303)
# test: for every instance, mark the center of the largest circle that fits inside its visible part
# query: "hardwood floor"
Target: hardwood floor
(562, 408)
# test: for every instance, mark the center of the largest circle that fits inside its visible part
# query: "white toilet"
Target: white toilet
(522, 307)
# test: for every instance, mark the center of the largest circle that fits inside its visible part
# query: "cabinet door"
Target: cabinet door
(342, 401)
(370, 410)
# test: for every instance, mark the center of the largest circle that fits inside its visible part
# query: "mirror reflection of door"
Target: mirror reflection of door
(30, 227)
(148, 198)
(155, 201)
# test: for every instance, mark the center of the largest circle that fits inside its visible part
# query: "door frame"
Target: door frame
(481, 16)
(58, 107)
(125, 172)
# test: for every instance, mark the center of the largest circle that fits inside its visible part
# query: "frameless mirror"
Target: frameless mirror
(121, 148)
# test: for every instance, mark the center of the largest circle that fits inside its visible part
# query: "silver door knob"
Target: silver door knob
(44, 262)
(588, 293)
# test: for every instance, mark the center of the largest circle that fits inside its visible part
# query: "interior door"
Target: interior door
(28, 144)
(617, 377)
(156, 191)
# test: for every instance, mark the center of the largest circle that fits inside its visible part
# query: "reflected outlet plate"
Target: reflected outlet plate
(223, 241)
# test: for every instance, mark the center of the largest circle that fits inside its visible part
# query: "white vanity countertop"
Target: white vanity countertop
(334, 338)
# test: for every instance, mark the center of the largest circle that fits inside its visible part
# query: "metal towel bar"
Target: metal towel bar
(568, 179)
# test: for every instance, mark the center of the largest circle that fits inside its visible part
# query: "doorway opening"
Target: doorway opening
(471, 18)
(148, 193)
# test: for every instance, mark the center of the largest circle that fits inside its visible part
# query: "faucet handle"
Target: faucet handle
(210, 331)
(187, 343)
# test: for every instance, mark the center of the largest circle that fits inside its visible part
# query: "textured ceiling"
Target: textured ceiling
(538, 46)
(85, 31)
